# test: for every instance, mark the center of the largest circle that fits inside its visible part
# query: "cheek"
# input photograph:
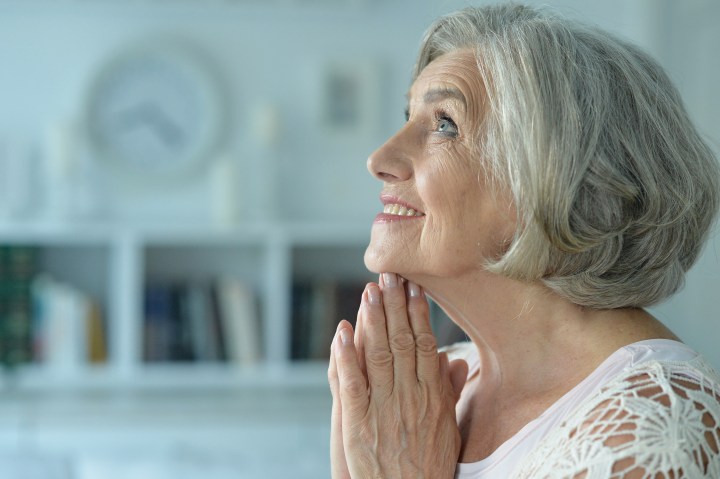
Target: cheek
(464, 214)
(456, 210)
(450, 187)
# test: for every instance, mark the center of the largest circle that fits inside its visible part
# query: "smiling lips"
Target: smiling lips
(396, 210)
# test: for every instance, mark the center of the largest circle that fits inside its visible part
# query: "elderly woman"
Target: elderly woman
(546, 187)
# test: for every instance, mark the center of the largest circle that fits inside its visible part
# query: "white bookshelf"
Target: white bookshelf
(113, 263)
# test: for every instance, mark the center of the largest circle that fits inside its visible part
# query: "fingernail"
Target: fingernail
(374, 295)
(344, 336)
(413, 290)
(390, 279)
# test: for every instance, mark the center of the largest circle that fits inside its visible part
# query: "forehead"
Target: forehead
(453, 70)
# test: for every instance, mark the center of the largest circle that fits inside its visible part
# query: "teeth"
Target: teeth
(399, 210)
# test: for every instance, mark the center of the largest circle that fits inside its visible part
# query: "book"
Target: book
(157, 323)
(18, 267)
(301, 314)
(61, 321)
(96, 340)
(180, 341)
(203, 324)
(323, 318)
(317, 308)
(240, 322)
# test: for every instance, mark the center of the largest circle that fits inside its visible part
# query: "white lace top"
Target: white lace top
(650, 410)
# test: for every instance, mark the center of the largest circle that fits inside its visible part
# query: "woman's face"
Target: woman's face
(440, 217)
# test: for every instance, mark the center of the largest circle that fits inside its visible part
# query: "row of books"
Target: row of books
(47, 321)
(43, 320)
(217, 320)
(69, 329)
(318, 307)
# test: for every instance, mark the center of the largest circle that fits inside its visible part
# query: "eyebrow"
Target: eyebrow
(438, 94)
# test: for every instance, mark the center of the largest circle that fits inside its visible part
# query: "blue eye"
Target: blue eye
(446, 126)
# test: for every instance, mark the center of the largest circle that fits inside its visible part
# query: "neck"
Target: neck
(534, 346)
(517, 326)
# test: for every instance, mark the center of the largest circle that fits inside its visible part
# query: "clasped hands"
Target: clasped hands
(394, 395)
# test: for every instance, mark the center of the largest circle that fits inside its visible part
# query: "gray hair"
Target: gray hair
(615, 190)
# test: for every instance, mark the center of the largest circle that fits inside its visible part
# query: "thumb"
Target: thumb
(458, 376)
(454, 375)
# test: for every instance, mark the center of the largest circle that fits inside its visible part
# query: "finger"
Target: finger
(378, 358)
(425, 343)
(454, 376)
(400, 336)
(332, 374)
(338, 463)
(352, 387)
(458, 377)
(359, 340)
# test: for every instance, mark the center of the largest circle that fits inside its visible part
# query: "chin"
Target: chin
(372, 262)
(378, 262)
(383, 260)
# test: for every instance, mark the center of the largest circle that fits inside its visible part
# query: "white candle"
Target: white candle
(225, 201)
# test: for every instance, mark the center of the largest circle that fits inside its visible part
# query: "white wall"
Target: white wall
(273, 53)
(690, 37)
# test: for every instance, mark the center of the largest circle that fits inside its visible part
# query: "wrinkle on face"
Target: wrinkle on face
(442, 175)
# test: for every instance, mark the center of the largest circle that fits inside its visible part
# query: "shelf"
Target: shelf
(114, 264)
(187, 377)
(326, 233)
(54, 234)
(301, 233)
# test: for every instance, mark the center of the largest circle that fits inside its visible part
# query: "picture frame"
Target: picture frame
(350, 98)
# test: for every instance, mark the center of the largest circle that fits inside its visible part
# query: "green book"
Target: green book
(18, 266)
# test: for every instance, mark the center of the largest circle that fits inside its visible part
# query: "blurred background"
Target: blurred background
(184, 207)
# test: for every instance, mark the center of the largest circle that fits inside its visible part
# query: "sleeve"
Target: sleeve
(657, 421)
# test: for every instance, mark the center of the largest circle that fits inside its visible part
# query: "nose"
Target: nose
(392, 162)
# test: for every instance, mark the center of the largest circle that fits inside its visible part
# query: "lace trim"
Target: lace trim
(659, 420)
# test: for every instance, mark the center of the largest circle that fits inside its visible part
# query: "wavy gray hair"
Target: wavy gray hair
(615, 190)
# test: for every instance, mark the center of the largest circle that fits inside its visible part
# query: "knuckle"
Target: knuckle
(354, 388)
(334, 393)
(402, 341)
(332, 377)
(426, 343)
(378, 358)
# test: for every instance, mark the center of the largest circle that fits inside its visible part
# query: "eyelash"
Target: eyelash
(442, 116)
(439, 116)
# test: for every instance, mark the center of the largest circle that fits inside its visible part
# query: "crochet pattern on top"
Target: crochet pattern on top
(658, 420)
